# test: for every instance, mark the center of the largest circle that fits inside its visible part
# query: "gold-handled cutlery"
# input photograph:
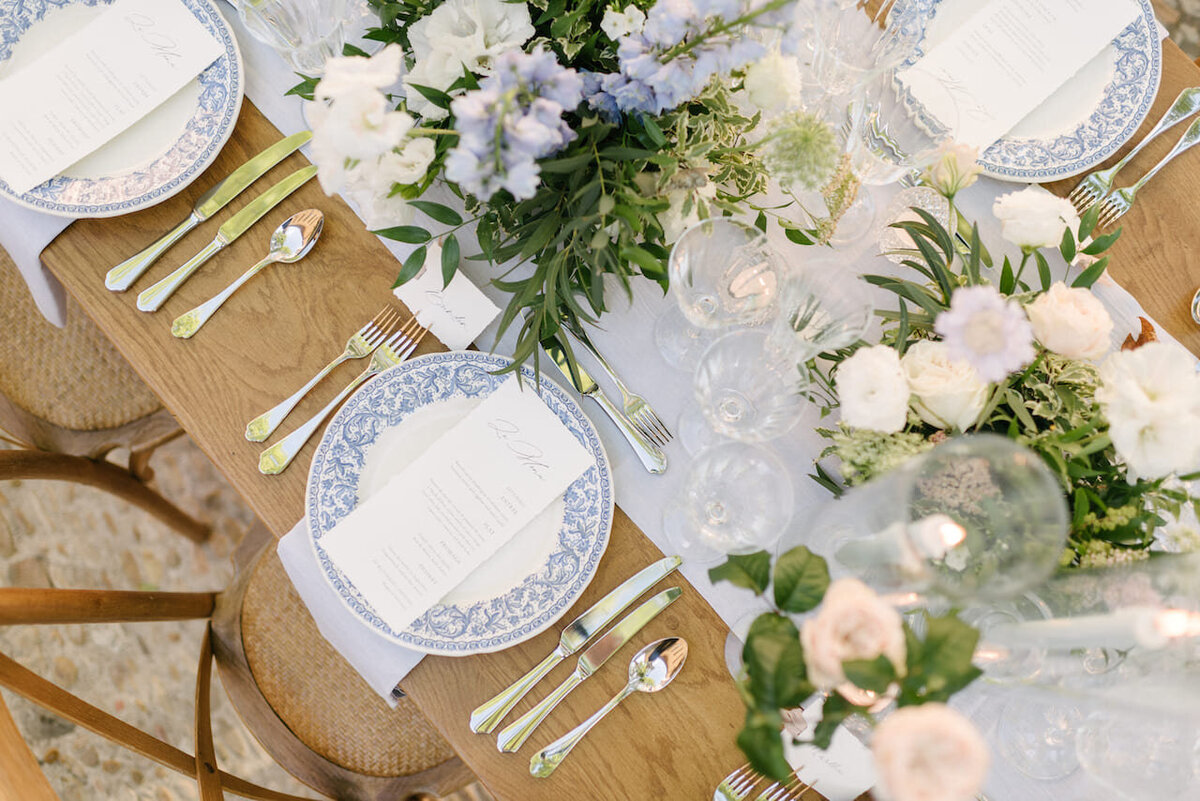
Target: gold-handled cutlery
(515, 735)
(652, 669)
(577, 634)
(290, 243)
(360, 345)
(122, 276)
(739, 784)
(154, 297)
(395, 349)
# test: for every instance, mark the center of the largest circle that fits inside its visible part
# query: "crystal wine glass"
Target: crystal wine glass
(307, 33)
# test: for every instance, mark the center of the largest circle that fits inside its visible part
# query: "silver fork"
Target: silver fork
(737, 785)
(394, 350)
(791, 791)
(359, 346)
(1121, 200)
(640, 413)
(1096, 185)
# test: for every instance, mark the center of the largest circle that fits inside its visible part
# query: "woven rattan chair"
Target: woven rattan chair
(306, 706)
(67, 399)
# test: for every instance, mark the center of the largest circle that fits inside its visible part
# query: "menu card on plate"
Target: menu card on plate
(96, 83)
(442, 516)
(1009, 57)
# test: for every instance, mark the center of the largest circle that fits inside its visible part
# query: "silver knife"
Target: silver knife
(122, 276)
(513, 737)
(651, 457)
(487, 716)
(235, 226)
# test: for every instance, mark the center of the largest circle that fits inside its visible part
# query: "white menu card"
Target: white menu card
(442, 516)
(96, 83)
(1009, 57)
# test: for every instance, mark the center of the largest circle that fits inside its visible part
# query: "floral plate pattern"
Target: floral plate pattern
(539, 598)
(211, 124)
(1124, 105)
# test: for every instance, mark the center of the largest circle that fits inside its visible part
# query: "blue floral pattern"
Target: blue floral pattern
(221, 87)
(541, 597)
(1126, 102)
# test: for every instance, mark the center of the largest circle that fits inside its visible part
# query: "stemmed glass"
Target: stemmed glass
(307, 33)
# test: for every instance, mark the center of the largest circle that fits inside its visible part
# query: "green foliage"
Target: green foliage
(801, 578)
(750, 571)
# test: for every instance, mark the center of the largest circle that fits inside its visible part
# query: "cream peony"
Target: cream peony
(928, 753)
(1151, 398)
(956, 168)
(852, 623)
(1071, 321)
(461, 34)
(622, 23)
(945, 393)
(1033, 218)
(873, 390)
(773, 82)
(348, 73)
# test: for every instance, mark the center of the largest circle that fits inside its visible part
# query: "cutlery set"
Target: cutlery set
(650, 670)
(739, 784)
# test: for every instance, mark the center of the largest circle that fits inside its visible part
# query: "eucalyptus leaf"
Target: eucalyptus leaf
(450, 259)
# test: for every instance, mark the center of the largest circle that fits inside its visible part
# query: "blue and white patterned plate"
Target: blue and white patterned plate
(156, 157)
(535, 577)
(1086, 120)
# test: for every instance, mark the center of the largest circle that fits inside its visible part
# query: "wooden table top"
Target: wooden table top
(269, 339)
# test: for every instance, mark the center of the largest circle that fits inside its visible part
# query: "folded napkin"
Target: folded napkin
(379, 661)
(24, 233)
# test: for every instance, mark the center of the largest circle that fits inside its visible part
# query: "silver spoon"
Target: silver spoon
(652, 668)
(292, 241)
(1196, 306)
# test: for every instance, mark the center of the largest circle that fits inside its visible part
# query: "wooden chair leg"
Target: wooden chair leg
(102, 475)
(206, 755)
(21, 779)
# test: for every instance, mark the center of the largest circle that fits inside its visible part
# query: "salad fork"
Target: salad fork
(359, 346)
(1121, 200)
(737, 785)
(395, 349)
(793, 790)
(637, 409)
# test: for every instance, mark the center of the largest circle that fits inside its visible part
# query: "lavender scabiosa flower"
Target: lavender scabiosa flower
(513, 119)
(991, 333)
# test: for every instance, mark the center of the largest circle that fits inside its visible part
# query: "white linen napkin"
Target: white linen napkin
(25, 233)
(379, 661)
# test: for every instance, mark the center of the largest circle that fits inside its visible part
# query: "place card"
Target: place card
(455, 314)
(1008, 58)
(446, 513)
(842, 772)
(96, 83)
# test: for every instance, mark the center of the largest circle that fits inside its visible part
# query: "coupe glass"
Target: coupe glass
(976, 518)
(1140, 755)
(822, 307)
(306, 33)
(736, 498)
(723, 272)
(1038, 737)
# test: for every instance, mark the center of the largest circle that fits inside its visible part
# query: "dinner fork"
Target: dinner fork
(359, 346)
(737, 785)
(394, 350)
(1121, 200)
(1095, 186)
(791, 791)
(637, 409)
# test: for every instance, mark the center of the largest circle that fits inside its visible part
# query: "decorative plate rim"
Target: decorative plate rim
(216, 24)
(534, 625)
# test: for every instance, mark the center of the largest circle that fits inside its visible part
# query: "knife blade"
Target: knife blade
(515, 735)
(577, 634)
(650, 455)
(122, 276)
(154, 297)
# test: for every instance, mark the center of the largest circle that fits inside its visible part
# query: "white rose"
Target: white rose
(773, 82)
(1071, 321)
(347, 73)
(928, 753)
(1034, 218)
(617, 24)
(852, 623)
(872, 390)
(1151, 398)
(408, 166)
(946, 393)
(956, 168)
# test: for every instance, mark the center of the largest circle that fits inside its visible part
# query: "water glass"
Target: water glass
(307, 33)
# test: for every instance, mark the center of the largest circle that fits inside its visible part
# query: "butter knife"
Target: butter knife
(650, 455)
(513, 737)
(488, 715)
(122, 276)
(154, 297)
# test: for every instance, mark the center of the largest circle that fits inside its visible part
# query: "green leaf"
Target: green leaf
(651, 267)
(1102, 243)
(1067, 247)
(1087, 223)
(653, 131)
(305, 88)
(1091, 274)
(870, 674)
(801, 578)
(437, 211)
(760, 222)
(412, 234)
(412, 266)
(350, 50)
(751, 571)
(435, 96)
(974, 256)
(1043, 269)
(797, 236)
(833, 713)
(762, 743)
(775, 663)
(566, 164)
(1008, 280)
(450, 259)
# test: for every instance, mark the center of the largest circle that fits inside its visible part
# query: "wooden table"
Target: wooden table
(271, 339)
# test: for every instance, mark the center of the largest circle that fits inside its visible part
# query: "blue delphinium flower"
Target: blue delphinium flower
(513, 119)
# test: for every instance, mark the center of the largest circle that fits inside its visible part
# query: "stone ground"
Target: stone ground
(1182, 18)
(55, 534)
